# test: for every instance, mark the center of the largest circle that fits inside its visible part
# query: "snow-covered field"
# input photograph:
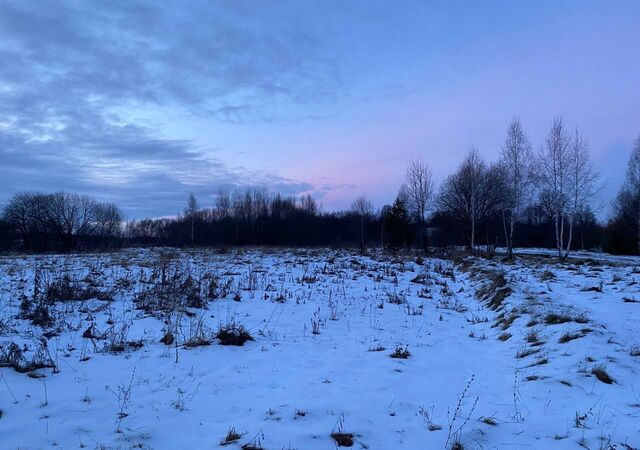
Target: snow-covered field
(125, 351)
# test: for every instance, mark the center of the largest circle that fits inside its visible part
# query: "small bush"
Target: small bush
(233, 334)
(12, 356)
(343, 439)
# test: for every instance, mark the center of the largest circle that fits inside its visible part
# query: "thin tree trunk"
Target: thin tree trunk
(506, 234)
(473, 233)
(511, 227)
(421, 226)
(361, 234)
(566, 254)
(556, 221)
(561, 235)
(638, 223)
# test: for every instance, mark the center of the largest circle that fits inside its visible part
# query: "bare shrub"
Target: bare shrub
(255, 443)
(427, 415)
(64, 288)
(172, 287)
(199, 335)
(401, 353)
(458, 420)
(395, 299)
(232, 436)
(11, 355)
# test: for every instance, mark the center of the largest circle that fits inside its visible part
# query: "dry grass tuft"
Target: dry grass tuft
(401, 353)
(568, 337)
(495, 290)
(601, 374)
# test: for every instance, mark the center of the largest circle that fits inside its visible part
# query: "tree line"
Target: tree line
(59, 221)
(527, 198)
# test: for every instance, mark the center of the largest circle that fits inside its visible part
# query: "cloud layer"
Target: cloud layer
(143, 102)
(75, 73)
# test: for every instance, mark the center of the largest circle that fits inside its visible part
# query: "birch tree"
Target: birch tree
(516, 171)
(363, 208)
(582, 179)
(554, 177)
(567, 181)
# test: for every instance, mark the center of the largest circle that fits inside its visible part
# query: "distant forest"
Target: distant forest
(527, 198)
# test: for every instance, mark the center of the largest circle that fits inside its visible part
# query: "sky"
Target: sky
(141, 103)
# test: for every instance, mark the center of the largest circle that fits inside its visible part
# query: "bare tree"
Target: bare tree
(632, 184)
(516, 172)
(64, 215)
(364, 209)
(108, 219)
(567, 181)
(553, 173)
(191, 213)
(419, 190)
(469, 195)
(223, 204)
(22, 213)
(582, 178)
(309, 205)
(72, 215)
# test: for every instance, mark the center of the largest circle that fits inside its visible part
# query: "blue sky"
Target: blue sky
(142, 103)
